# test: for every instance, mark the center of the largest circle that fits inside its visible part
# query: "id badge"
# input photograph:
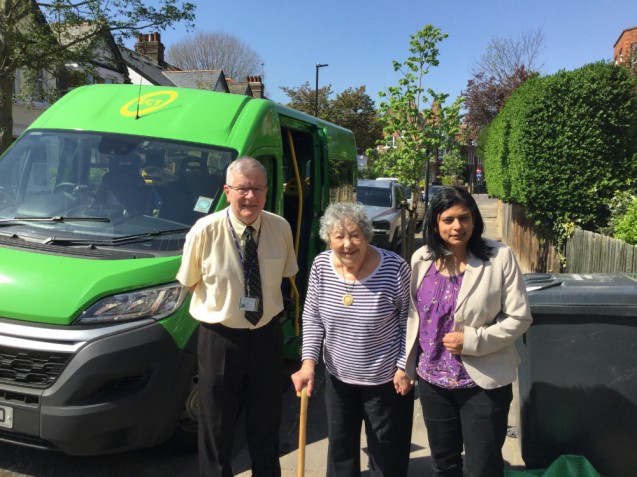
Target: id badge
(248, 303)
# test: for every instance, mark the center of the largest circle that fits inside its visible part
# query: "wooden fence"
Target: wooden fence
(586, 252)
(534, 253)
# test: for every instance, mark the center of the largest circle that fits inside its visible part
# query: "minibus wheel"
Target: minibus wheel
(185, 436)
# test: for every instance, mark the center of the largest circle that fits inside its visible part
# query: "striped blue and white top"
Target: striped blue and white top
(363, 343)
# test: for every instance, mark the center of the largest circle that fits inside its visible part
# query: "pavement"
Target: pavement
(316, 438)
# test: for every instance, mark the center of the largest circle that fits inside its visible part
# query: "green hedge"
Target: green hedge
(563, 145)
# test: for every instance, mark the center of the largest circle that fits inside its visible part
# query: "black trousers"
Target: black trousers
(388, 419)
(240, 370)
(473, 417)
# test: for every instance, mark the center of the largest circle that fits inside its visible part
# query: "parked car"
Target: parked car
(420, 203)
(433, 189)
(382, 200)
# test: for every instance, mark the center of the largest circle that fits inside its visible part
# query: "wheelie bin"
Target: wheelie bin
(578, 376)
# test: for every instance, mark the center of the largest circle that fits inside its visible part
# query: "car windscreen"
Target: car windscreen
(376, 196)
(99, 185)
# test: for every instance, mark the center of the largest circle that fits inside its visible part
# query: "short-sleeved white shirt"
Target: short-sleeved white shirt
(212, 264)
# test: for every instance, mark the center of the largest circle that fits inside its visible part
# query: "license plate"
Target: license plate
(6, 417)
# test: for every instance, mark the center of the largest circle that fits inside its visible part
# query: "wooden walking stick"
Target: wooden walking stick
(302, 430)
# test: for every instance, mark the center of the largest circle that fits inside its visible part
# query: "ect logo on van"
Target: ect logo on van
(148, 103)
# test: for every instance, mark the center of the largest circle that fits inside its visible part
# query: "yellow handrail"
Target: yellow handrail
(297, 235)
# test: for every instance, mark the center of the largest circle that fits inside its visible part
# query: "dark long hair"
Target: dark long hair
(445, 198)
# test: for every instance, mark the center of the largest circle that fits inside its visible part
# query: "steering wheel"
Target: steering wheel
(69, 189)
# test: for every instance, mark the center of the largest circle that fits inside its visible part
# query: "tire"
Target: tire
(184, 439)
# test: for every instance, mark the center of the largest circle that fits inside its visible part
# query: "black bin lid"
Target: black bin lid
(589, 294)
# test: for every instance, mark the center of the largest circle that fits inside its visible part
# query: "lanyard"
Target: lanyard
(236, 241)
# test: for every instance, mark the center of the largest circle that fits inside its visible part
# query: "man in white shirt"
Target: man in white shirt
(240, 348)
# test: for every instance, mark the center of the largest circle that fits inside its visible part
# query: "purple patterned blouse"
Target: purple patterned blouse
(437, 296)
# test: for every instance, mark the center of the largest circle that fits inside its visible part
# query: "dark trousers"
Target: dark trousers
(388, 421)
(240, 370)
(474, 417)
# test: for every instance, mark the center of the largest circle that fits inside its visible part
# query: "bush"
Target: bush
(563, 145)
(625, 226)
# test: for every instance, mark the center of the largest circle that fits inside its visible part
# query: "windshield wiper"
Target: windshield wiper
(115, 241)
(55, 218)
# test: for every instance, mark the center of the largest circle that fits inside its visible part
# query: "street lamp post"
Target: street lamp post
(318, 65)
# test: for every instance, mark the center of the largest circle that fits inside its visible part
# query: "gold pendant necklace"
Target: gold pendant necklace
(348, 298)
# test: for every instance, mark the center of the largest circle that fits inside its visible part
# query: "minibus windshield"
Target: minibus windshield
(105, 186)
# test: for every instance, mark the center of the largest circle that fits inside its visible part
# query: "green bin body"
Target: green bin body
(578, 376)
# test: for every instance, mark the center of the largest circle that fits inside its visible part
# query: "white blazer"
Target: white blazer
(492, 310)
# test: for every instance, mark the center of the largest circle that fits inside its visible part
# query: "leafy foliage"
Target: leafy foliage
(626, 225)
(355, 110)
(485, 96)
(503, 67)
(563, 145)
(304, 99)
(48, 36)
(623, 217)
(414, 118)
(453, 165)
(352, 109)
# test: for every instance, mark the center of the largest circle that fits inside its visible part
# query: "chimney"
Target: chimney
(150, 45)
(256, 85)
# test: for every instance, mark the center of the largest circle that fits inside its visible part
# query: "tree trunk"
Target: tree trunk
(6, 111)
(7, 76)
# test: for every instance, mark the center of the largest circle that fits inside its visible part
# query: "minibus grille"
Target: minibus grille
(37, 369)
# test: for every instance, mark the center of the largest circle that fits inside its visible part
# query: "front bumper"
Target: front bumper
(381, 239)
(123, 387)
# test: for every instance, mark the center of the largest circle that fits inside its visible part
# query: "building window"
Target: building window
(391, 144)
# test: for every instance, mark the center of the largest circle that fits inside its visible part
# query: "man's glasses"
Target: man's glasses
(245, 190)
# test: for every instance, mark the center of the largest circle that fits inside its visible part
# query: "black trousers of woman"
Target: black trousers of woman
(475, 418)
(240, 370)
(388, 419)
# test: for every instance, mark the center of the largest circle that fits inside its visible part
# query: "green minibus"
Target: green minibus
(97, 348)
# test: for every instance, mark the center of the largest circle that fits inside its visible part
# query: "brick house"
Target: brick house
(108, 67)
(147, 65)
(625, 49)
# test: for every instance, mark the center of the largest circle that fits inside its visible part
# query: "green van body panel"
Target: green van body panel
(181, 119)
(35, 297)
(88, 388)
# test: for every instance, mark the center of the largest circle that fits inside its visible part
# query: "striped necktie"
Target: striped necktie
(252, 275)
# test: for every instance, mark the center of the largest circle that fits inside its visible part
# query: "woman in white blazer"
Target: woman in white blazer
(468, 306)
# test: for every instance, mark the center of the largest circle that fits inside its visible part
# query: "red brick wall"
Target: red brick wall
(624, 46)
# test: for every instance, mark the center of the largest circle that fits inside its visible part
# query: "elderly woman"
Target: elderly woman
(356, 312)
(468, 306)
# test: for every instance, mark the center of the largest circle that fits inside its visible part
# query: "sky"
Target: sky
(359, 39)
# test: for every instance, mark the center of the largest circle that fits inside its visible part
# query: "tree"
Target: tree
(453, 165)
(503, 67)
(414, 118)
(563, 146)
(214, 50)
(485, 96)
(505, 55)
(36, 36)
(352, 109)
(303, 99)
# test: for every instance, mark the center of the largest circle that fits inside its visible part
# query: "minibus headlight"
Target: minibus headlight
(155, 303)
